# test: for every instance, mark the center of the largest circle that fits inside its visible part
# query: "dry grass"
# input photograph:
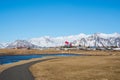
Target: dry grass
(78, 68)
(26, 51)
(34, 51)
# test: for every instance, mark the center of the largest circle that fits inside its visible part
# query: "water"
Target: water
(8, 59)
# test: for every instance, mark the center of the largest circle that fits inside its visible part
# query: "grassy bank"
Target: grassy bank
(78, 68)
(26, 51)
(6, 66)
(52, 51)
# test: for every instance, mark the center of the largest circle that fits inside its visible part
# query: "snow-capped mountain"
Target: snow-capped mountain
(5, 44)
(1, 46)
(100, 40)
(21, 44)
(97, 39)
(47, 41)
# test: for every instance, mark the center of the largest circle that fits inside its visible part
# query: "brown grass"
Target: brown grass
(26, 51)
(51, 51)
(78, 68)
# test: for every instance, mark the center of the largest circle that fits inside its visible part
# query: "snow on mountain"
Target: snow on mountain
(47, 41)
(21, 44)
(97, 39)
(106, 36)
(5, 44)
(1, 46)
(100, 40)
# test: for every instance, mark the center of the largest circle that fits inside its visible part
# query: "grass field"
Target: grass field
(106, 66)
(78, 68)
(26, 51)
(52, 51)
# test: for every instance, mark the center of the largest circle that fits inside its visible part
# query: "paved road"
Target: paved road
(20, 72)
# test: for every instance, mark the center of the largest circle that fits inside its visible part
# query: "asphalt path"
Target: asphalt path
(20, 72)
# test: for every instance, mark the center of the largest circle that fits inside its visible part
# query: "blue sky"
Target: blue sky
(25, 19)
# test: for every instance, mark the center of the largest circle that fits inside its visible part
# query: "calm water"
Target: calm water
(7, 59)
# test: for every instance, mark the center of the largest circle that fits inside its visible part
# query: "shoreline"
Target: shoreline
(7, 66)
(89, 53)
(6, 59)
(20, 72)
(24, 62)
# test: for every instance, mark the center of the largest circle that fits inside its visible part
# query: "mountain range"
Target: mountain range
(97, 39)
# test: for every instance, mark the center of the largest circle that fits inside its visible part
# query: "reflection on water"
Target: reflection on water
(7, 59)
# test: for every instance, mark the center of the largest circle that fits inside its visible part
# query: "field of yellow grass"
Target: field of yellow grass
(52, 51)
(78, 68)
(106, 66)
(26, 51)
